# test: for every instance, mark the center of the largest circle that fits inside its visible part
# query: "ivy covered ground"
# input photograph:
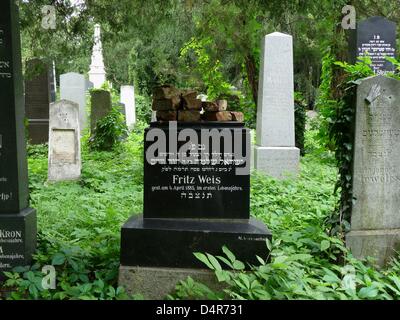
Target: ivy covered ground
(79, 230)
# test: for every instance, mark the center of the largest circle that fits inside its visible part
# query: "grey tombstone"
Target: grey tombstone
(275, 152)
(64, 142)
(17, 220)
(73, 87)
(376, 37)
(37, 100)
(375, 222)
(100, 107)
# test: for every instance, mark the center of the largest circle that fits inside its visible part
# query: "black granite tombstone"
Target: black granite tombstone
(196, 197)
(17, 221)
(37, 100)
(376, 37)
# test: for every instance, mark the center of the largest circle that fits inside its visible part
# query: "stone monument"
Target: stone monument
(128, 99)
(375, 221)
(37, 100)
(97, 73)
(73, 87)
(275, 151)
(375, 37)
(64, 142)
(196, 199)
(17, 220)
(101, 106)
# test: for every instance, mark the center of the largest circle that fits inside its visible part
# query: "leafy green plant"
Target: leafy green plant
(143, 108)
(337, 133)
(109, 131)
(300, 121)
(207, 68)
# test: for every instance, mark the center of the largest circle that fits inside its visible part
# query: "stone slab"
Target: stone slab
(13, 164)
(275, 111)
(73, 87)
(171, 242)
(37, 100)
(176, 187)
(158, 283)
(64, 143)
(375, 37)
(128, 99)
(17, 239)
(101, 106)
(279, 163)
(376, 169)
(382, 245)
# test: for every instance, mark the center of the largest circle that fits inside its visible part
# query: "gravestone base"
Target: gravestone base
(157, 283)
(170, 243)
(278, 162)
(17, 239)
(379, 244)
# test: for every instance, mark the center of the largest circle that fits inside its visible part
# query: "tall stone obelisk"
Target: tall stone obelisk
(275, 152)
(17, 220)
(97, 73)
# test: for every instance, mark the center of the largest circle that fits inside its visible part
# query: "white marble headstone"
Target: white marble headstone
(64, 142)
(128, 99)
(275, 151)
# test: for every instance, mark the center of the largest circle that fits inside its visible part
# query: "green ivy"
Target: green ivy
(337, 129)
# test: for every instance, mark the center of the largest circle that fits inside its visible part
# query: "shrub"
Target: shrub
(143, 108)
(109, 131)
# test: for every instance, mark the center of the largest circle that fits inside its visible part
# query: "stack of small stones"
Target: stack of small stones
(172, 104)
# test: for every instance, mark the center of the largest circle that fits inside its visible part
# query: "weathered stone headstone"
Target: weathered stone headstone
(375, 221)
(196, 199)
(64, 142)
(97, 73)
(73, 87)
(376, 37)
(17, 220)
(37, 100)
(275, 151)
(101, 106)
(128, 98)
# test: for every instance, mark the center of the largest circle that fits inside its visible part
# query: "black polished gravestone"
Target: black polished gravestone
(17, 221)
(38, 77)
(375, 37)
(196, 197)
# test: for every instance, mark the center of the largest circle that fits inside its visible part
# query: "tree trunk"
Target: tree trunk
(252, 76)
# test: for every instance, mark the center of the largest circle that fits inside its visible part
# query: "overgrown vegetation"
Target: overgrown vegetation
(306, 262)
(336, 131)
(79, 233)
